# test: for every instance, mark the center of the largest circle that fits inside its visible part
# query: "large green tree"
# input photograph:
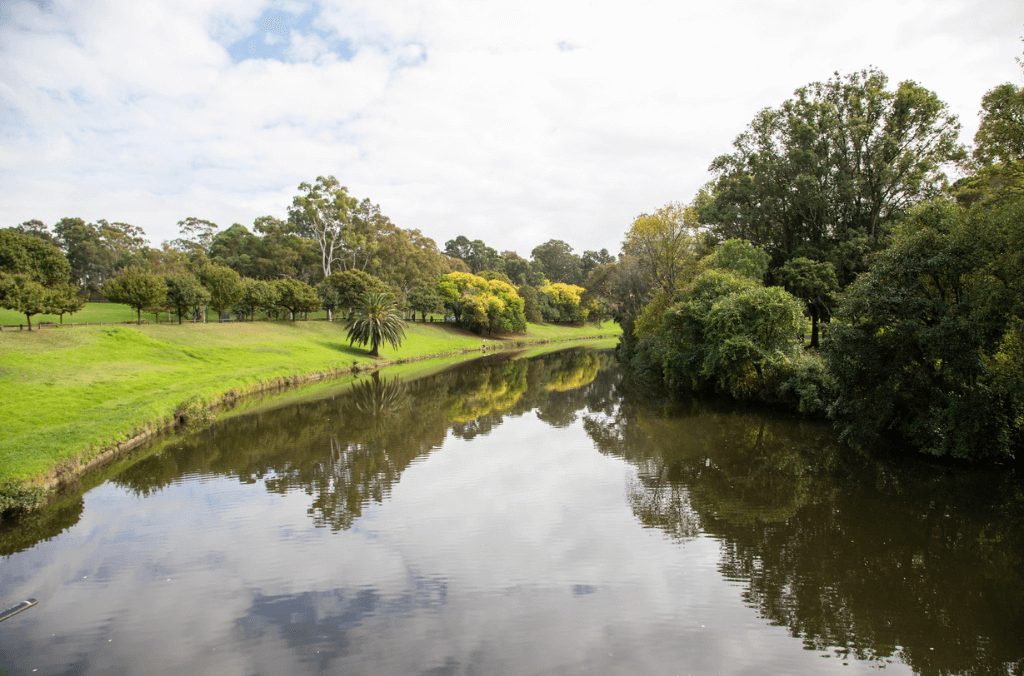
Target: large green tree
(930, 346)
(822, 175)
(224, 285)
(296, 297)
(138, 289)
(559, 263)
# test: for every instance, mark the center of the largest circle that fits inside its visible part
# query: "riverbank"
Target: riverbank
(75, 395)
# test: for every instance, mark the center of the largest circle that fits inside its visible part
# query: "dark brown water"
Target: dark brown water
(518, 516)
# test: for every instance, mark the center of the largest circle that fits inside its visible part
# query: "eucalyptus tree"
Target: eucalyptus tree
(323, 213)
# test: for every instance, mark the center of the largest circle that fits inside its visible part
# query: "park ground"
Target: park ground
(73, 393)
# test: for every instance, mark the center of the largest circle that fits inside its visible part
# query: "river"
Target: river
(518, 515)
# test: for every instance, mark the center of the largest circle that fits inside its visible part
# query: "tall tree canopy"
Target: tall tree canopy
(821, 175)
(323, 213)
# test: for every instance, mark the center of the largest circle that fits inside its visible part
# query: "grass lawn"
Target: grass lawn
(70, 392)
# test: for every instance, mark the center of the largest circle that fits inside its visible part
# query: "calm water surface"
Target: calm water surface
(518, 516)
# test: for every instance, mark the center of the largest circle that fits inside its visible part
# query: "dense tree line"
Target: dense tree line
(331, 252)
(834, 213)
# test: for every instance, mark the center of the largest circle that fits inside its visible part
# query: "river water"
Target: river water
(518, 515)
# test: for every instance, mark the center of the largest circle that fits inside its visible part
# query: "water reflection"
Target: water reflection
(869, 558)
(875, 562)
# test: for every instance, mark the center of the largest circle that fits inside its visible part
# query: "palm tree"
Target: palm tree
(376, 320)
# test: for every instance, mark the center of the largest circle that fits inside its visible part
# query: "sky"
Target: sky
(511, 122)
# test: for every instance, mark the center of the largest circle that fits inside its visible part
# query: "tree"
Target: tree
(196, 236)
(477, 255)
(521, 271)
(33, 257)
(350, 286)
(33, 273)
(823, 175)
(407, 259)
(36, 228)
(563, 302)
(376, 321)
(296, 296)
(80, 242)
(257, 295)
(224, 285)
(739, 257)
(64, 300)
(482, 305)
(424, 299)
(815, 283)
(322, 214)
(592, 259)
(236, 248)
(185, 292)
(1000, 135)
(662, 244)
(929, 348)
(137, 289)
(22, 294)
(558, 262)
(531, 303)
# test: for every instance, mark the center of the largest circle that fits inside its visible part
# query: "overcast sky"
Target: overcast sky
(513, 122)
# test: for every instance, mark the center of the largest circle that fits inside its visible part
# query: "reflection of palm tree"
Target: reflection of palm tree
(376, 321)
(378, 400)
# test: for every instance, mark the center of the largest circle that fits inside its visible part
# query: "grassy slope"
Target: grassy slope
(70, 390)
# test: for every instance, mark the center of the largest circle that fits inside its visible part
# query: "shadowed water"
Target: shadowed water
(518, 516)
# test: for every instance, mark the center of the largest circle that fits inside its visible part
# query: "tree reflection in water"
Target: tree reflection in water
(867, 557)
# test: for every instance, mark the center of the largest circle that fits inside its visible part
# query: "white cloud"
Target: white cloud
(510, 121)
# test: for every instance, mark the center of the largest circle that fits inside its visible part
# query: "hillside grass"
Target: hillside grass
(70, 392)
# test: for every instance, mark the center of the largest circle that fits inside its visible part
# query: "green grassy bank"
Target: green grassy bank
(71, 393)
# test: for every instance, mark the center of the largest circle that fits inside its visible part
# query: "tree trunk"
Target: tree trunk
(29, 318)
(138, 320)
(374, 352)
(814, 328)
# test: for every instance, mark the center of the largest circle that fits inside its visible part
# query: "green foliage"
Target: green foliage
(564, 303)
(193, 413)
(21, 294)
(322, 212)
(557, 262)
(64, 300)
(926, 347)
(350, 286)
(481, 305)
(662, 245)
(376, 321)
(17, 495)
(296, 297)
(137, 289)
(531, 303)
(425, 300)
(257, 295)
(185, 292)
(224, 286)
(725, 332)
(1000, 135)
(822, 175)
(739, 257)
(38, 260)
(815, 283)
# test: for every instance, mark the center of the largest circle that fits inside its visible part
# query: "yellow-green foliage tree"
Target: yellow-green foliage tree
(482, 305)
(563, 302)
